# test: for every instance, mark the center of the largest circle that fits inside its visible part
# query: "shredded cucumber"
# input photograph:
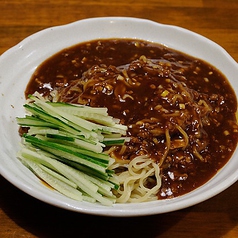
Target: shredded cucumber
(53, 181)
(64, 146)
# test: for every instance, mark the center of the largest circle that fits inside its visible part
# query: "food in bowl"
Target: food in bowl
(180, 111)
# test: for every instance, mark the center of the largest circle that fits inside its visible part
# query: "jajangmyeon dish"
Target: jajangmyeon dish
(180, 111)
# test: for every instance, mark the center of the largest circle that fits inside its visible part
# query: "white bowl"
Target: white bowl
(18, 64)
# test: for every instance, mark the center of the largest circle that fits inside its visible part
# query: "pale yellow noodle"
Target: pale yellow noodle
(134, 179)
(185, 135)
(168, 143)
(197, 154)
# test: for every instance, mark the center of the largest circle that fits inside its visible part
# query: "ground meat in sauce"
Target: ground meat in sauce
(152, 89)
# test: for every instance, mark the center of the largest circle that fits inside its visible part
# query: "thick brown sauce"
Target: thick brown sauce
(182, 171)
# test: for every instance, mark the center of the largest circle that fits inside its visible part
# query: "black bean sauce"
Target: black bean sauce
(152, 89)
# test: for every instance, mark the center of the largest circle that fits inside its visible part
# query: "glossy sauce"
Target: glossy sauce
(157, 72)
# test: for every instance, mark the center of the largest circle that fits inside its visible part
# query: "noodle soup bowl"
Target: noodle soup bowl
(35, 49)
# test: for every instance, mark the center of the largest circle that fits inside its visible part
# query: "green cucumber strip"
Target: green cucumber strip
(100, 183)
(72, 174)
(79, 149)
(79, 125)
(98, 158)
(41, 130)
(89, 148)
(96, 118)
(30, 152)
(59, 121)
(105, 184)
(90, 171)
(90, 116)
(35, 155)
(81, 180)
(76, 108)
(103, 200)
(101, 157)
(110, 142)
(96, 115)
(34, 121)
(28, 149)
(46, 117)
(106, 193)
(78, 140)
(54, 182)
(95, 147)
(66, 120)
(63, 115)
(87, 198)
(60, 138)
(40, 156)
(58, 176)
(115, 182)
(112, 136)
(75, 121)
(118, 129)
(59, 150)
